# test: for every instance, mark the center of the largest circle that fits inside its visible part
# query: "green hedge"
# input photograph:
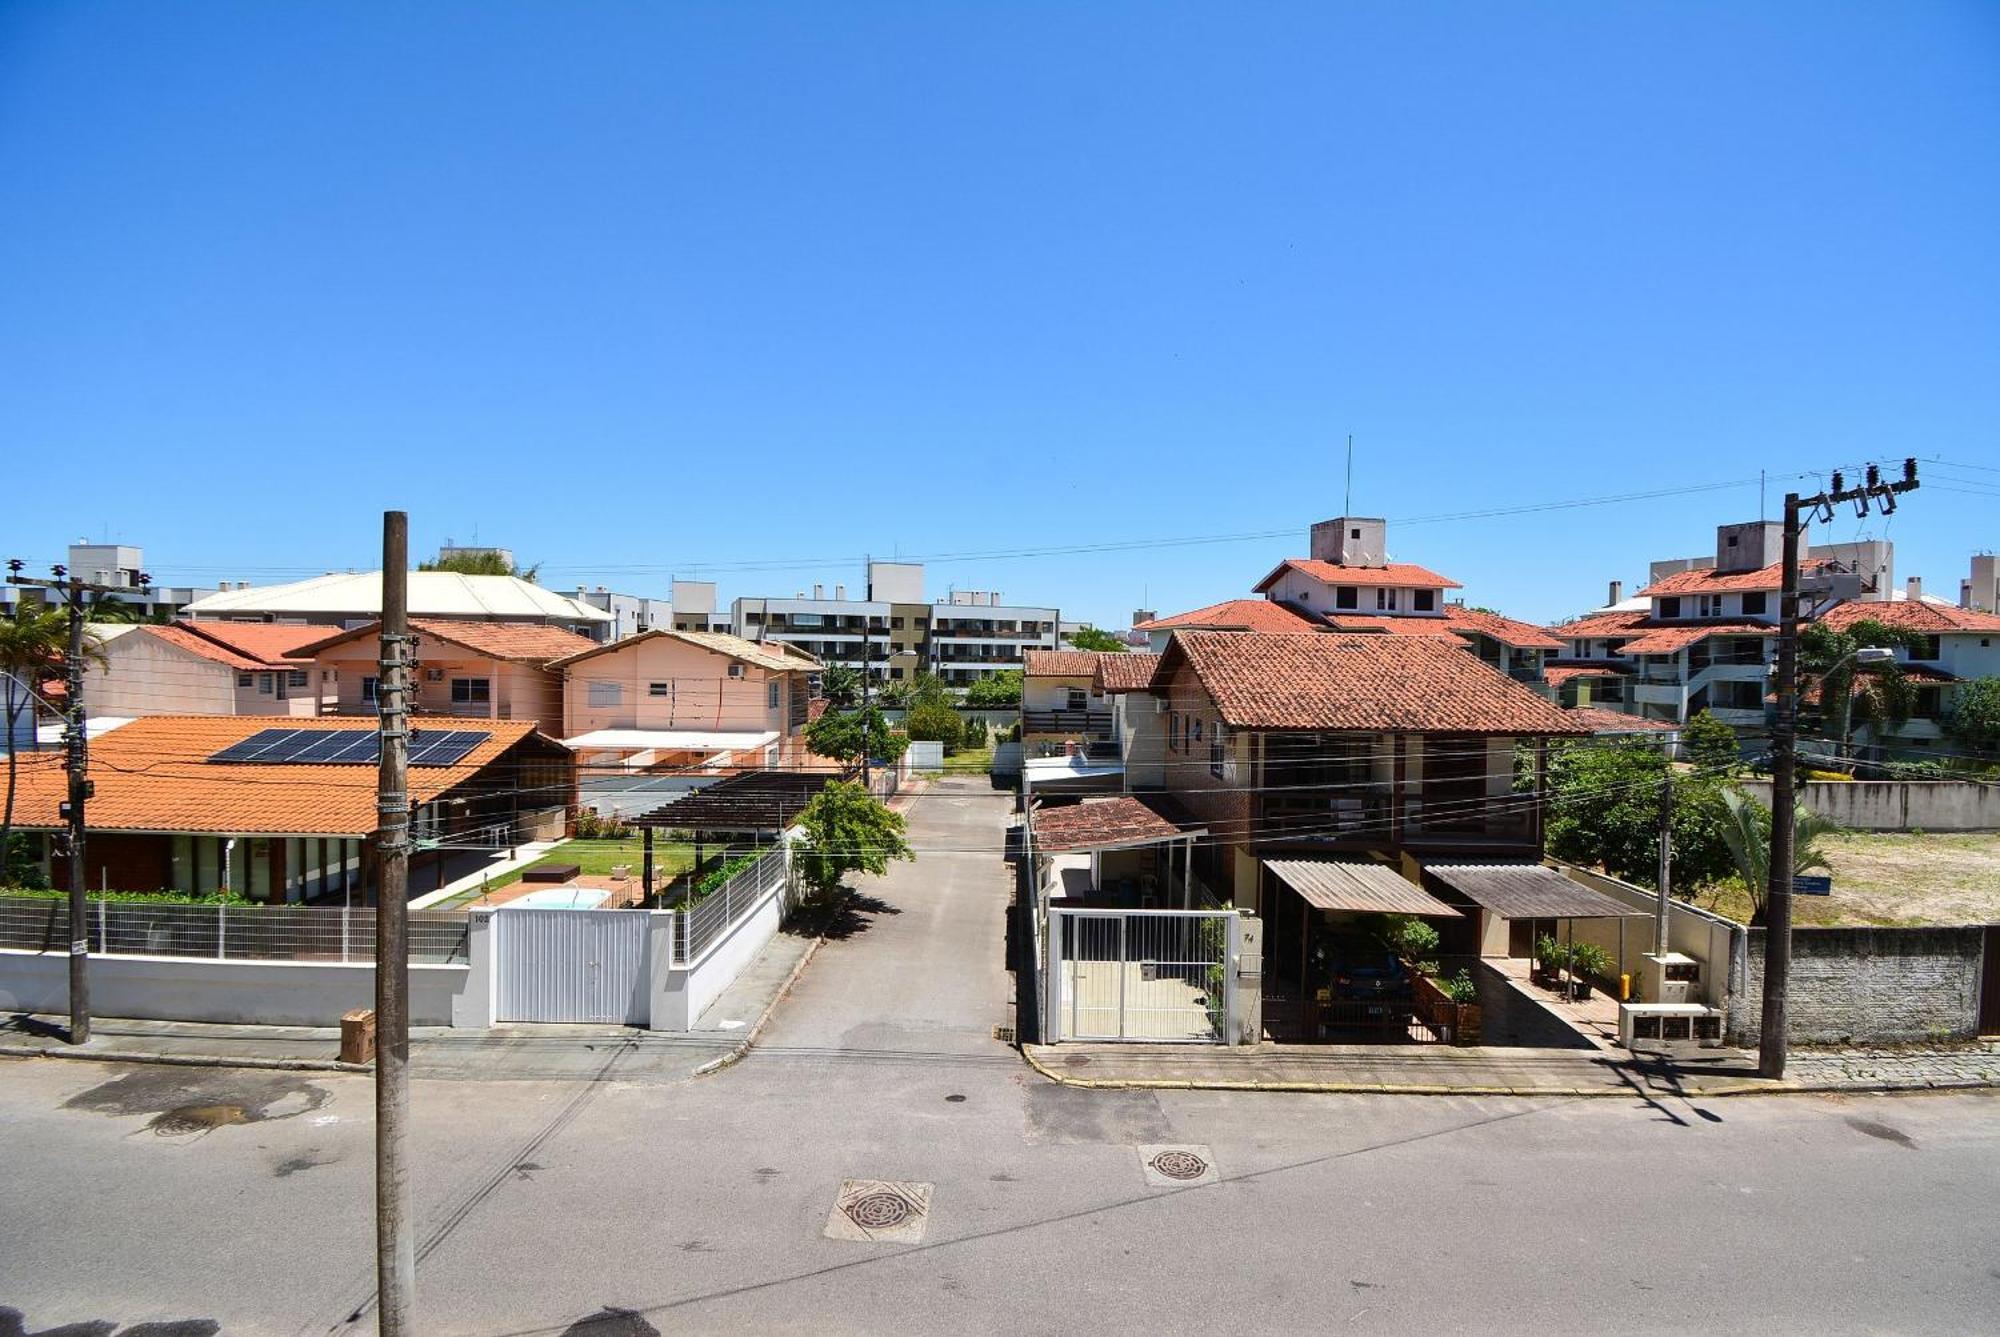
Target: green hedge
(156, 897)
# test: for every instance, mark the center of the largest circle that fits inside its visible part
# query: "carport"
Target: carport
(1324, 891)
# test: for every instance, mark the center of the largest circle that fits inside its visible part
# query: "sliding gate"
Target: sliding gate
(1159, 975)
(571, 965)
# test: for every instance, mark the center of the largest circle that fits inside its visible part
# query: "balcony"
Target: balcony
(1083, 723)
(1364, 818)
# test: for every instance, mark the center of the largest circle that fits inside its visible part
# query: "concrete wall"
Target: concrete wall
(1871, 985)
(1898, 805)
(266, 993)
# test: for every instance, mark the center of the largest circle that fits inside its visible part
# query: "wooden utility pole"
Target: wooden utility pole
(864, 706)
(1785, 749)
(395, 1251)
(76, 746)
(1665, 880)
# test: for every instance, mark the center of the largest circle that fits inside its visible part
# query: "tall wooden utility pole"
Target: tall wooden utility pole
(1664, 886)
(395, 1251)
(1785, 750)
(76, 746)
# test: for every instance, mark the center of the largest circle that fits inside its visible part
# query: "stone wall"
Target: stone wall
(1898, 805)
(1871, 985)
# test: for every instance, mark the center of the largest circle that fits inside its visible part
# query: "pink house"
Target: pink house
(687, 699)
(186, 668)
(477, 670)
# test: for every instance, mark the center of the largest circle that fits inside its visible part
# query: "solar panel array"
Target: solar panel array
(346, 747)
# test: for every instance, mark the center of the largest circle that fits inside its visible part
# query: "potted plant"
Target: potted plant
(1587, 960)
(1550, 958)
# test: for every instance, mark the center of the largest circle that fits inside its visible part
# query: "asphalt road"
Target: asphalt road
(132, 1194)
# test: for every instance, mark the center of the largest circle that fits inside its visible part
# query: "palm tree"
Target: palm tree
(1746, 830)
(32, 643)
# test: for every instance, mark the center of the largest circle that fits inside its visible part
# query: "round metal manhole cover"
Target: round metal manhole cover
(1179, 1165)
(879, 1211)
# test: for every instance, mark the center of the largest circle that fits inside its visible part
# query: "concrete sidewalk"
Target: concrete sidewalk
(1674, 1069)
(502, 1053)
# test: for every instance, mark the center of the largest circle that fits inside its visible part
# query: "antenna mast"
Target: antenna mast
(1347, 501)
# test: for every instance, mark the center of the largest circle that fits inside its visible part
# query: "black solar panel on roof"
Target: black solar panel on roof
(346, 747)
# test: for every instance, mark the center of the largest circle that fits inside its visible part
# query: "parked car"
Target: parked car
(1363, 970)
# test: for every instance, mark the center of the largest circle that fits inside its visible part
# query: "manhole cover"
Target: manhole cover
(879, 1211)
(1177, 1167)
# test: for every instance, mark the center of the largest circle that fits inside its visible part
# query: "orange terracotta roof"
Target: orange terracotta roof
(1235, 615)
(1707, 580)
(1663, 638)
(1389, 573)
(1913, 615)
(1418, 684)
(1613, 721)
(517, 642)
(184, 639)
(272, 643)
(1597, 626)
(1062, 663)
(1378, 624)
(1506, 630)
(1106, 824)
(1557, 675)
(1126, 673)
(154, 775)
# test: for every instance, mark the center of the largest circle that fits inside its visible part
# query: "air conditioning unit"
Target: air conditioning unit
(735, 670)
(1160, 704)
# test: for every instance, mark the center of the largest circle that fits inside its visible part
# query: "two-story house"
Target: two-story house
(1062, 705)
(687, 700)
(1959, 644)
(200, 668)
(475, 670)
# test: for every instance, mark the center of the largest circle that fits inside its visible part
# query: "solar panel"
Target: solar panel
(346, 747)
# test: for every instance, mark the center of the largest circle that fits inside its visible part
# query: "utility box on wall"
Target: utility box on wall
(1249, 969)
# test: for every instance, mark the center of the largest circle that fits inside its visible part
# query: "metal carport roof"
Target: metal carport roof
(1528, 891)
(1372, 887)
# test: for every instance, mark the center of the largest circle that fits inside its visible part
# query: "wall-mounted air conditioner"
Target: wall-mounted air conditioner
(735, 670)
(1160, 704)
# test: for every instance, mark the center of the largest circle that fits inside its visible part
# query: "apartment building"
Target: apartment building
(895, 633)
(118, 564)
(354, 598)
(1959, 644)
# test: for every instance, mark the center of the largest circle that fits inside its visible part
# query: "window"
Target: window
(1385, 600)
(1174, 731)
(246, 680)
(1710, 605)
(471, 691)
(895, 624)
(659, 689)
(264, 684)
(1345, 596)
(772, 697)
(299, 678)
(604, 695)
(1933, 647)
(1215, 757)
(1197, 731)
(1423, 601)
(895, 671)
(1670, 607)
(370, 691)
(1754, 602)
(1078, 700)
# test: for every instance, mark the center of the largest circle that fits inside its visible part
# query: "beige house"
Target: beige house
(476, 670)
(210, 669)
(687, 699)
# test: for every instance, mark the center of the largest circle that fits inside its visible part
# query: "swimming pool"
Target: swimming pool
(560, 898)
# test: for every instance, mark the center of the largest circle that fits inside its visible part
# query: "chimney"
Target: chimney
(1915, 588)
(819, 590)
(840, 592)
(1617, 592)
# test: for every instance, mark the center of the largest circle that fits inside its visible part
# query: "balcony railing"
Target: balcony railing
(1095, 723)
(1368, 817)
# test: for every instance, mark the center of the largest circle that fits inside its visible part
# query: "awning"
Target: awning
(1120, 823)
(669, 740)
(1528, 891)
(1371, 887)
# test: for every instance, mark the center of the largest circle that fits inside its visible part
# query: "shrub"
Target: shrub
(1587, 958)
(934, 722)
(1460, 988)
(593, 825)
(1410, 938)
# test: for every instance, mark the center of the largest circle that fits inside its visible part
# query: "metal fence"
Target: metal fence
(227, 932)
(709, 918)
(1159, 975)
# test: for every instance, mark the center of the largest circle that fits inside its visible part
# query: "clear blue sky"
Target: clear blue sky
(632, 288)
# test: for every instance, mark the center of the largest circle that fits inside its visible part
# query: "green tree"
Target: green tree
(32, 645)
(1973, 718)
(1746, 831)
(1850, 693)
(481, 562)
(934, 722)
(928, 688)
(1603, 809)
(1090, 638)
(1710, 743)
(995, 690)
(840, 684)
(847, 830)
(841, 735)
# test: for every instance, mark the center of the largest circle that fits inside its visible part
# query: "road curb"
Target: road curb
(756, 1032)
(1843, 1086)
(186, 1060)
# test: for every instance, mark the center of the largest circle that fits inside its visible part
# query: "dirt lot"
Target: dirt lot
(1883, 878)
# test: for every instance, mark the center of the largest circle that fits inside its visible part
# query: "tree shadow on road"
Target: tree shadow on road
(839, 919)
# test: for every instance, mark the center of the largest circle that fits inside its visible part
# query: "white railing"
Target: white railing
(702, 925)
(226, 932)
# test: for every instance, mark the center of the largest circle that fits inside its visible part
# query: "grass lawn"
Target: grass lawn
(597, 857)
(972, 761)
(1882, 877)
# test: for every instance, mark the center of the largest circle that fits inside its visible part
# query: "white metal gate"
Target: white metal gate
(570, 965)
(1159, 975)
